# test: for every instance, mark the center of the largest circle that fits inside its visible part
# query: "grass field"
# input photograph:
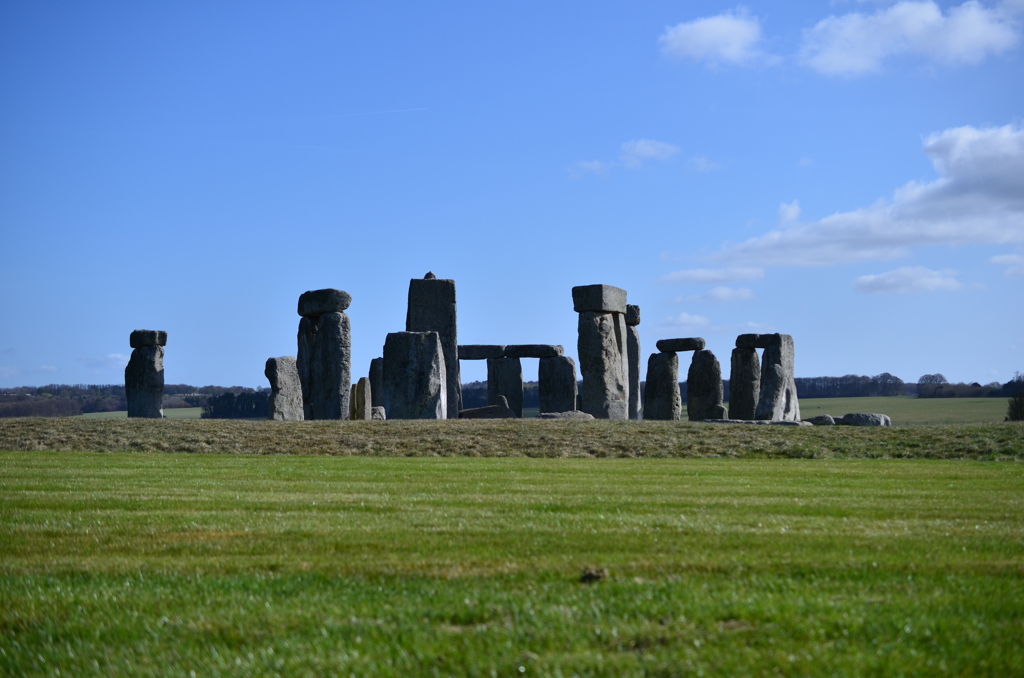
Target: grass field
(173, 413)
(298, 565)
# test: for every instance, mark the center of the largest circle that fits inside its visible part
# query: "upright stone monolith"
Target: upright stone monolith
(505, 378)
(662, 400)
(304, 362)
(414, 376)
(377, 381)
(556, 384)
(633, 354)
(602, 349)
(361, 407)
(285, 402)
(144, 375)
(324, 358)
(744, 383)
(704, 387)
(777, 400)
(432, 309)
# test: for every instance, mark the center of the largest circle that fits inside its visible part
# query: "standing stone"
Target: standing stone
(505, 378)
(661, 397)
(304, 363)
(777, 400)
(377, 382)
(704, 388)
(414, 376)
(602, 352)
(432, 309)
(332, 367)
(378, 414)
(285, 403)
(144, 375)
(361, 407)
(744, 383)
(633, 353)
(556, 384)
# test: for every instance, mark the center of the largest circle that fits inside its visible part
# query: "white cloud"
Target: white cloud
(1013, 262)
(686, 320)
(978, 198)
(111, 361)
(590, 167)
(855, 43)
(908, 279)
(713, 275)
(634, 153)
(720, 294)
(731, 37)
(789, 211)
(704, 165)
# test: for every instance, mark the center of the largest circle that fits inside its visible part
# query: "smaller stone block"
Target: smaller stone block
(481, 351)
(378, 413)
(317, 302)
(753, 340)
(599, 299)
(861, 419)
(140, 338)
(632, 315)
(533, 351)
(500, 410)
(572, 414)
(676, 345)
(822, 420)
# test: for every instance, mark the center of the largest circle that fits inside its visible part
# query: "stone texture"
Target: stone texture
(685, 344)
(602, 351)
(140, 338)
(414, 376)
(571, 414)
(662, 400)
(144, 382)
(822, 420)
(499, 410)
(432, 309)
(704, 389)
(377, 382)
(361, 407)
(556, 384)
(861, 419)
(285, 403)
(315, 303)
(753, 340)
(331, 368)
(378, 414)
(598, 299)
(757, 422)
(505, 379)
(481, 351)
(533, 351)
(744, 383)
(777, 400)
(632, 315)
(304, 363)
(633, 359)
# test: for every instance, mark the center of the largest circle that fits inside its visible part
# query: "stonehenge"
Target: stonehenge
(505, 380)
(662, 400)
(556, 374)
(324, 359)
(414, 379)
(602, 350)
(704, 382)
(704, 390)
(432, 309)
(765, 389)
(633, 356)
(285, 389)
(144, 375)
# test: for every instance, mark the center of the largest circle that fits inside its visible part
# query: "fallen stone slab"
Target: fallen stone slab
(533, 351)
(632, 315)
(757, 422)
(285, 402)
(572, 414)
(822, 420)
(676, 345)
(753, 340)
(862, 419)
(140, 338)
(501, 410)
(598, 299)
(481, 351)
(315, 303)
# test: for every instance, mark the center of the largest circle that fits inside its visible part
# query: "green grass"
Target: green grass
(908, 411)
(173, 413)
(314, 565)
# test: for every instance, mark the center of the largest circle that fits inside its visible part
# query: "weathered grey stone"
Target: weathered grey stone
(361, 407)
(533, 351)
(315, 303)
(862, 419)
(685, 344)
(285, 402)
(432, 309)
(753, 340)
(481, 351)
(744, 383)
(632, 315)
(662, 400)
(378, 413)
(414, 376)
(633, 359)
(140, 338)
(505, 378)
(377, 382)
(822, 420)
(556, 384)
(332, 367)
(602, 352)
(777, 400)
(598, 299)
(304, 363)
(499, 410)
(757, 422)
(704, 389)
(571, 414)
(144, 382)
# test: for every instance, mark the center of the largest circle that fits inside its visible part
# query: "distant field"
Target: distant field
(909, 411)
(175, 413)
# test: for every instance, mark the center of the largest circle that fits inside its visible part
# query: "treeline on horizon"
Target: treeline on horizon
(68, 400)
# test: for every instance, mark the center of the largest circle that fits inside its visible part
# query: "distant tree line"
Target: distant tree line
(936, 386)
(249, 404)
(67, 400)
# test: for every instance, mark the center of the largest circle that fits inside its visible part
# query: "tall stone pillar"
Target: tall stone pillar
(285, 403)
(144, 375)
(744, 383)
(704, 387)
(661, 397)
(377, 382)
(603, 354)
(414, 376)
(505, 378)
(777, 400)
(432, 309)
(633, 354)
(324, 360)
(556, 384)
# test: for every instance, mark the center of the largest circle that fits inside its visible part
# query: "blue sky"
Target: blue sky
(851, 173)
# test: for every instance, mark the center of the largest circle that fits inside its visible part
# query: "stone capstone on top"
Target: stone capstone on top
(481, 351)
(676, 345)
(599, 299)
(140, 338)
(315, 303)
(533, 351)
(753, 340)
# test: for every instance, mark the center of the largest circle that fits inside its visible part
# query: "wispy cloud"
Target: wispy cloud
(729, 38)
(789, 211)
(632, 155)
(908, 279)
(686, 320)
(702, 164)
(713, 275)
(104, 363)
(720, 294)
(1014, 263)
